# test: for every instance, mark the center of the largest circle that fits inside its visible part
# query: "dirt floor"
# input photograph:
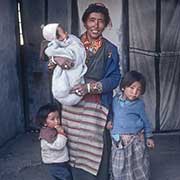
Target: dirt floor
(20, 158)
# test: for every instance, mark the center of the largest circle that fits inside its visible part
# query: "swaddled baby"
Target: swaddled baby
(69, 46)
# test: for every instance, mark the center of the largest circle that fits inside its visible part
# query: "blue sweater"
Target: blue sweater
(130, 117)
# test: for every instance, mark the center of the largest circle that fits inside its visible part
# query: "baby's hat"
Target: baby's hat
(49, 31)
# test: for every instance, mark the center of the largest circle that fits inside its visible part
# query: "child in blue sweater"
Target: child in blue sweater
(131, 132)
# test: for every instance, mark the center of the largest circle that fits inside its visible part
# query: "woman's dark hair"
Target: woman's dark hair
(43, 112)
(97, 8)
(131, 77)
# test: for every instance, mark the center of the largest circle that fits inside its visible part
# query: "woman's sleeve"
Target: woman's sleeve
(112, 75)
(59, 143)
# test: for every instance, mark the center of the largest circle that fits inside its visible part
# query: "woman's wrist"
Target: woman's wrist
(52, 60)
(88, 87)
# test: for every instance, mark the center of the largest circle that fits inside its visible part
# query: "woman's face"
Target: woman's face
(94, 25)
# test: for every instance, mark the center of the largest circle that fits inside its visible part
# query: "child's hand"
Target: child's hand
(150, 143)
(109, 125)
(59, 129)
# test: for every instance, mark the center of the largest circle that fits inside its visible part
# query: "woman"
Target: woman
(85, 123)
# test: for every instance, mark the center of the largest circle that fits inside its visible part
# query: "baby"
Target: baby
(68, 46)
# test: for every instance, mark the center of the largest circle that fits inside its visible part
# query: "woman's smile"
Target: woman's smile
(95, 25)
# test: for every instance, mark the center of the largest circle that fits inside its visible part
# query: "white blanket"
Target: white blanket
(64, 80)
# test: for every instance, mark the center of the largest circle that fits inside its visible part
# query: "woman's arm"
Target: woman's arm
(63, 62)
(107, 84)
(112, 76)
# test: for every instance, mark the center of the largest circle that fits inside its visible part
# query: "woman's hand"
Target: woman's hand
(80, 89)
(63, 62)
(109, 125)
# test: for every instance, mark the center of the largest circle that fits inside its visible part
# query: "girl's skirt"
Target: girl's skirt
(130, 158)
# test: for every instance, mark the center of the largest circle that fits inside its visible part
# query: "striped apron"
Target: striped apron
(84, 125)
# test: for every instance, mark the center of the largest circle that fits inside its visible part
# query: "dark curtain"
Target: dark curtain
(144, 55)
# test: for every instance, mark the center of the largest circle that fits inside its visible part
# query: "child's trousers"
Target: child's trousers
(60, 171)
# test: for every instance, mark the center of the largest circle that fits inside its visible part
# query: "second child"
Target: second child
(53, 141)
(131, 132)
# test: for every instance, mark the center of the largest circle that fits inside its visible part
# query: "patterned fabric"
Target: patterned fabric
(96, 88)
(84, 125)
(130, 158)
(96, 62)
(92, 98)
(91, 47)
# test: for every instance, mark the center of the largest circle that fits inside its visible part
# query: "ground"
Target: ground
(20, 158)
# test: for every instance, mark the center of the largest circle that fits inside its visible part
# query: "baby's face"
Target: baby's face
(61, 34)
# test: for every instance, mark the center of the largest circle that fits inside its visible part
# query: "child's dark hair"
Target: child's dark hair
(43, 112)
(131, 77)
(97, 8)
(59, 26)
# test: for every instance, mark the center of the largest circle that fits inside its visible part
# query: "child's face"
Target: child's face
(61, 34)
(133, 91)
(53, 119)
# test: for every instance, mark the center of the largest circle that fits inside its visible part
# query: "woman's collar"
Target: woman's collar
(95, 44)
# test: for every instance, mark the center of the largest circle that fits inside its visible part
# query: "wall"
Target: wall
(154, 51)
(36, 76)
(11, 116)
